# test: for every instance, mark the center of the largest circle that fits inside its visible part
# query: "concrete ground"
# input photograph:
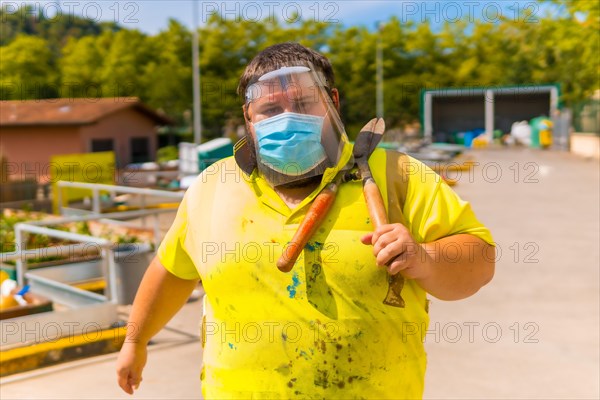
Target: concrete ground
(532, 333)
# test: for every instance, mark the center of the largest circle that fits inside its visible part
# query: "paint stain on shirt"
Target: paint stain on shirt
(314, 246)
(292, 288)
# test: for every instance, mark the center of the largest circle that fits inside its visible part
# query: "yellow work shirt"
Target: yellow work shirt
(321, 330)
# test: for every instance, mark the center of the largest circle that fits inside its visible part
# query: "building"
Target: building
(444, 111)
(32, 131)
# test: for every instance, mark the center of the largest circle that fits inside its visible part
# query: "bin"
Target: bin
(541, 132)
(131, 261)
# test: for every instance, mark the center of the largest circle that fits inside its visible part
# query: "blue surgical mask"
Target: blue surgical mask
(290, 143)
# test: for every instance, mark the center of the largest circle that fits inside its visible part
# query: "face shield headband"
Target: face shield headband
(294, 125)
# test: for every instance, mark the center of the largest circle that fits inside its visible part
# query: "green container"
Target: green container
(459, 137)
(535, 131)
(214, 150)
(10, 270)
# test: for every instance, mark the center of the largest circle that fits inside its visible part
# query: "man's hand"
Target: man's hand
(450, 268)
(395, 248)
(159, 297)
(130, 365)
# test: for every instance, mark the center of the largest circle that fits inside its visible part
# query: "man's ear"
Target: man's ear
(335, 96)
(245, 111)
(247, 119)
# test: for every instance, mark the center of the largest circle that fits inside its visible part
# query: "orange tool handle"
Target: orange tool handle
(374, 203)
(312, 220)
(376, 207)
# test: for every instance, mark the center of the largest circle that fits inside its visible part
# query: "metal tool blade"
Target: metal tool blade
(366, 141)
(368, 138)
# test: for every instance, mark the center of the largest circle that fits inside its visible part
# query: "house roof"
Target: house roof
(70, 111)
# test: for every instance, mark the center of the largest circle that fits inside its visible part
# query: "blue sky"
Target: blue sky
(151, 16)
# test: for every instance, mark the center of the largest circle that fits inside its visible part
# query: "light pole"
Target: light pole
(379, 71)
(196, 76)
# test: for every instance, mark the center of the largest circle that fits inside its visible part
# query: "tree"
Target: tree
(571, 47)
(27, 70)
(80, 67)
(560, 46)
(167, 77)
(225, 49)
(122, 70)
(31, 20)
(352, 53)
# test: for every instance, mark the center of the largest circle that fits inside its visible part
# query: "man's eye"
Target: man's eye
(305, 106)
(271, 111)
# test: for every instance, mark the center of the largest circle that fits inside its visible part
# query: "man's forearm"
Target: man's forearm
(458, 266)
(159, 297)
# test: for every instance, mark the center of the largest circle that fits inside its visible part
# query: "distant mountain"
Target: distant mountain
(57, 29)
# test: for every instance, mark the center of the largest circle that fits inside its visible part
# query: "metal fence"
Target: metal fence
(84, 306)
(586, 116)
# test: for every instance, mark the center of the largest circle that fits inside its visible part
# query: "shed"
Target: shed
(34, 130)
(444, 111)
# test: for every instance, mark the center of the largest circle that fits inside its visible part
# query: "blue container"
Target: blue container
(468, 138)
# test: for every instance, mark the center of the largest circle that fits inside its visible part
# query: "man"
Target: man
(323, 329)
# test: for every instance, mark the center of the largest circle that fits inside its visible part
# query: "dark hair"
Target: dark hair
(284, 55)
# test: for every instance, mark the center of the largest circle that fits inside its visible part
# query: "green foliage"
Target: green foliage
(167, 77)
(167, 153)
(70, 56)
(80, 66)
(7, 233)
(30, 20)
(123, 65)
(8, 220)
(27, 70)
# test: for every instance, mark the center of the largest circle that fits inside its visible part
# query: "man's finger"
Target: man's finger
(396, 264)
(124, 383)
(383, 229)
(384, 241)
(367, 239)
(135, 383)
(386, 254)
(135, 378)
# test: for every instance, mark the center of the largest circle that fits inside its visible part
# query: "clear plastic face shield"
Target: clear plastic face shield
(294, 124)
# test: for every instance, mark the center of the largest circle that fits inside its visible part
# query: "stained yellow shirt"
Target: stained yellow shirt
(321, 330)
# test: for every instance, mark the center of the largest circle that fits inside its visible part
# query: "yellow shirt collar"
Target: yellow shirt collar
(267, 194)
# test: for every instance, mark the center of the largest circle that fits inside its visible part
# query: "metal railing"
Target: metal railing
(21, 231)
(104, 247)
(21, 255)
(96, 188)
(58, 282)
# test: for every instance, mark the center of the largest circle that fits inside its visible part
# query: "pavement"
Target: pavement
(532, 333)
